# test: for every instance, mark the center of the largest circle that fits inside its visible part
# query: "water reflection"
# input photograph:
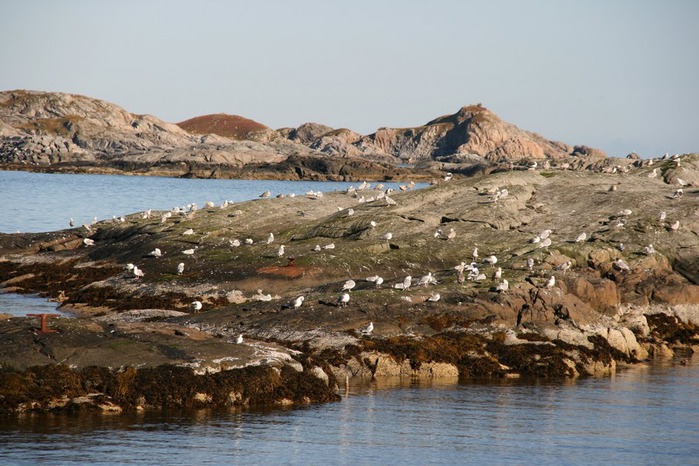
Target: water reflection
(19, 305)
(645, 415)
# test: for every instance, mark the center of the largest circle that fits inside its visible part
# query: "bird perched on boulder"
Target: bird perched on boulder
(563, 266)
(367, 330)
(550, 282)
(491, 260)
(180, 268)
(239, 340)
(621, 265)
(343, 299)
(502, 286)
(349, 284)
(195, 306)
(530, 263)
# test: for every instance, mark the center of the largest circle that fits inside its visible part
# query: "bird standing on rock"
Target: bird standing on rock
(349, 284)
(367, 330)
(343, 299)
(239, 340)
(180, 268)
(550, 282)
(502, 286)
(195, 306)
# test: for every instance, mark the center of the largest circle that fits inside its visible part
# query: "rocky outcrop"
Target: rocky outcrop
(472, 133)
(72, 132)
(57, 131)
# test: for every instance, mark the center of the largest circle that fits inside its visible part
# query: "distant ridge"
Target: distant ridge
(222, 124)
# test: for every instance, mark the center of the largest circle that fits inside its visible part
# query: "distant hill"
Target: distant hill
(43, 129)
(474, 132)
(229, 126)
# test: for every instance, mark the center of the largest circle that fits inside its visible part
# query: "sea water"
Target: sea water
(647, 414)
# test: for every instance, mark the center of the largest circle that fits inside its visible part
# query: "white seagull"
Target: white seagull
(581, 237)
(195, 306)
(239, 340)
(491, 260)
(343, 299)
(180, 268)
(621, 265)
(349, 284)
(550, 282)
(298, 302)
(367, 330)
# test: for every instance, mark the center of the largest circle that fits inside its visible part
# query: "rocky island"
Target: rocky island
(557, 262)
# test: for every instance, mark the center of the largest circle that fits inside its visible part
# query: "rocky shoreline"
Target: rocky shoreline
(625, 291)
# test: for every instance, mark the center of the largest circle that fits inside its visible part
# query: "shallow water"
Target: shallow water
(644, 415)
(34, 202)
(20, 305)
(647, 415)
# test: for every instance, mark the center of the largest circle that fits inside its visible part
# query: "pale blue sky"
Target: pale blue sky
(618, 75)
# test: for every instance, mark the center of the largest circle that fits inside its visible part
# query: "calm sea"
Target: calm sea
(643, 415)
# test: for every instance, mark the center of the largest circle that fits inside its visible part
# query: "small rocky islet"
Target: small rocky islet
(510, 269)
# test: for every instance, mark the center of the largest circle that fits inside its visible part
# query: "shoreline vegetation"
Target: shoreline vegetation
(482, 276)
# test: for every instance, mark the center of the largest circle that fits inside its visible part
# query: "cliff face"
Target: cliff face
(472, 133)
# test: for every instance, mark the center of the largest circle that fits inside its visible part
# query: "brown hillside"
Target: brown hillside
(229, 126)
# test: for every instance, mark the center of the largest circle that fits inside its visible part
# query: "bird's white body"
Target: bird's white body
(349, 284)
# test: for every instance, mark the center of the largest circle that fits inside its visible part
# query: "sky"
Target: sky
(618, 75)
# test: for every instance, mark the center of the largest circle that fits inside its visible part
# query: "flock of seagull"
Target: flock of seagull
(471, 271)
